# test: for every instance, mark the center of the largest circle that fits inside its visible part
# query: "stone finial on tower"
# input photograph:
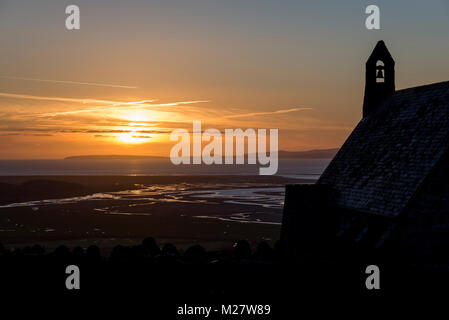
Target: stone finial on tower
(380, 79)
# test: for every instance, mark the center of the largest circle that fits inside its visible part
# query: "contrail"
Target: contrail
(121, 106)
(74, 100)
(244, 115)
(72, 82)
(110, 105)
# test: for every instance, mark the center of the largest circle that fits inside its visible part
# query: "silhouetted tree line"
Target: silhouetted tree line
(149, 250)
(261, 272)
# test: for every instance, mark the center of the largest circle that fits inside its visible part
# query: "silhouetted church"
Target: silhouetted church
(388, 186)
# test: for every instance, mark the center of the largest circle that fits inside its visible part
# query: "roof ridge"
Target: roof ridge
(423, 86)
(390, 154)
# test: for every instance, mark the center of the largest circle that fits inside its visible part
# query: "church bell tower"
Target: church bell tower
(379, 81)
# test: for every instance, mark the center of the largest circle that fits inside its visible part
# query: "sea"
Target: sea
(292, 168)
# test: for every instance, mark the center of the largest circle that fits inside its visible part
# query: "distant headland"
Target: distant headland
(309, 154)
(113, 157)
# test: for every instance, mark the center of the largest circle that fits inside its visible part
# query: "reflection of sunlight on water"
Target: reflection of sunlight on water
(234, 218)
(265, 197)
(96, 196)
(253, 194)
(129, 213)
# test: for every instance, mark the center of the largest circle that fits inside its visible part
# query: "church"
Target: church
(387, 189)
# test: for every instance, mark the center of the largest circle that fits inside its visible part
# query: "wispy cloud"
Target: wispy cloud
(121, 106)
(58, 99)
(102, 105)
(17, 131)
(72, 82)
(253, 114)
(115, 105)
(103, 118)
(26, 134)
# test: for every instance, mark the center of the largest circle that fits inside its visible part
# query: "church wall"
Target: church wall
(306, 219)
(425, 231)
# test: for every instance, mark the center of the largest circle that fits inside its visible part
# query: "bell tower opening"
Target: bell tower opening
(380, 70)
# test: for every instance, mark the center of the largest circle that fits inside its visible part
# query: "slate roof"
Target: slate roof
(389, 154)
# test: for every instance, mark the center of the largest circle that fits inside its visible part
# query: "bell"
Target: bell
(380, 74)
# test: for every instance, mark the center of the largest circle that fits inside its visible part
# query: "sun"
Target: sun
(133, 138)
(140, 126)
(133, 132)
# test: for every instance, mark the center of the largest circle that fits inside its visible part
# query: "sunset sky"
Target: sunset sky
(138, 69)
